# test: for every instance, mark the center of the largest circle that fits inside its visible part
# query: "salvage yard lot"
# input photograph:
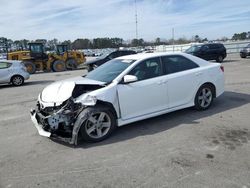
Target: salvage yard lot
(186, 148)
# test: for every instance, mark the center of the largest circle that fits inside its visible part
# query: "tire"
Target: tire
(219, 59)
(204, 97)
(90, 68)
(71, 64)
(243, 56)
(99, 125)
(30, 66)
(58, 66)
(17, 80)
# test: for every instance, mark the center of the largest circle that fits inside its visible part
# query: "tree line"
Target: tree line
(99, 43)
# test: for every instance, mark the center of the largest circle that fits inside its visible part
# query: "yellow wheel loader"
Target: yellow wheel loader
(71, 58)
(37, 60)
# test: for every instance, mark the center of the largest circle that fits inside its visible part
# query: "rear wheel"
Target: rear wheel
(204, 97)
(71, 64)
(17, 80)
(58, 66)
(219, 59)
(243, 55)
(99, 125)
(30, 66)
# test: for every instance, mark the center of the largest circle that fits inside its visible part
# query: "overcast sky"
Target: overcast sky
(71, 19)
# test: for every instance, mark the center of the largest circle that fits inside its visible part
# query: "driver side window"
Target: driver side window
(147, 69)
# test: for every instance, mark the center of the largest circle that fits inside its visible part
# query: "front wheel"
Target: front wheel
(99, 124)
(204, 97)
(90, 68)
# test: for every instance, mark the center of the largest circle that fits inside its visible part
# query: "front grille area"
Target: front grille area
(49, 110)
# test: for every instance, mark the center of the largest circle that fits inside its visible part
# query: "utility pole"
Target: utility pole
(173, 38)
(136, 21)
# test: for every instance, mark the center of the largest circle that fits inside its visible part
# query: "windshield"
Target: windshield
(109, 70)
(193, 48)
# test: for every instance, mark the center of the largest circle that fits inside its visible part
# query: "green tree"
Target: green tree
(81, 44)
(138, 42)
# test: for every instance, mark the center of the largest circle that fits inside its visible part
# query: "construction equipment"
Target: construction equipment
(71, 58)
(37, 60)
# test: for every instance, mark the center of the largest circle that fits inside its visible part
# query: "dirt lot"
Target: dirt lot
(181, 149)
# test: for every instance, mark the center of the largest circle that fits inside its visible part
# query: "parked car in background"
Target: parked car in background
(13, 72)
(211, 51)
(125, 90)
(103, 59)
(245, 51)
(89, 53)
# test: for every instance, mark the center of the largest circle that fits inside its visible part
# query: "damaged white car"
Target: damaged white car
(125, 90)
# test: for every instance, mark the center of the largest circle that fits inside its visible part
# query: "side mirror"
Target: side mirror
(129, 79)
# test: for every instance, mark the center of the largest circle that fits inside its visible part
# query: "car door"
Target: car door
(183, 77)
(215, 51)
(145, 96)
(205, 52)
(4, 72)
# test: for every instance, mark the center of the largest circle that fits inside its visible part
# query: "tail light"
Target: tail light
(222, 68)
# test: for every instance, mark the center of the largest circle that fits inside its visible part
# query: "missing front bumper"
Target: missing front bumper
(38, 126)
(72, 140)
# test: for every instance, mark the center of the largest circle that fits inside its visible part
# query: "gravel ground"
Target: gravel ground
(186, 148)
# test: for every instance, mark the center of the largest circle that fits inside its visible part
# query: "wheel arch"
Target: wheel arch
(213, 87)
(109, 105)
(15, 75)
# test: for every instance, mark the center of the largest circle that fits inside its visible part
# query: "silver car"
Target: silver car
(13, 72)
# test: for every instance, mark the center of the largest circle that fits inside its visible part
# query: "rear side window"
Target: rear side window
(173, 64)
(213, 46)
(4, 65)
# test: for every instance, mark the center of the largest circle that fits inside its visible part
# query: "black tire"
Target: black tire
(219, 59)
(90, 131)
(243, 55)
(30, 66)
(90, 68)
(204, 97)
(71, 64)
(17, 80)
(58, 66)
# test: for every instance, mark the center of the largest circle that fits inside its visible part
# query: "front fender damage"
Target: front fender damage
(63, 121)
(76, 128)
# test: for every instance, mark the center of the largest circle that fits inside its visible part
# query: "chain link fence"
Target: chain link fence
(231, 46)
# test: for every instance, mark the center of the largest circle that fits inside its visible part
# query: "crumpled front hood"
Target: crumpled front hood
(60, 91)
(57, 92)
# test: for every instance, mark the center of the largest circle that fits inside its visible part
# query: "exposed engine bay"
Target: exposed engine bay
(60, 121)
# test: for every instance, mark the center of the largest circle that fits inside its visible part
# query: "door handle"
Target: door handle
(162, 82)
(159, 82)
(198, 73)
(166, 81)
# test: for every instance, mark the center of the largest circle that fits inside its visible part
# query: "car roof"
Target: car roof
(144, 56)
(141, 56)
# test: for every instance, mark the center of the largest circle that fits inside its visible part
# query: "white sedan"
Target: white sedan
(125, 90)
(13, 72)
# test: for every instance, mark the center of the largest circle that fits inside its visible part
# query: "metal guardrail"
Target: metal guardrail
(232, 46)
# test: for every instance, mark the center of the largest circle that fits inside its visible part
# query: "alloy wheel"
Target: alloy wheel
(205, 97)
(98, 125)
(17, 80)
